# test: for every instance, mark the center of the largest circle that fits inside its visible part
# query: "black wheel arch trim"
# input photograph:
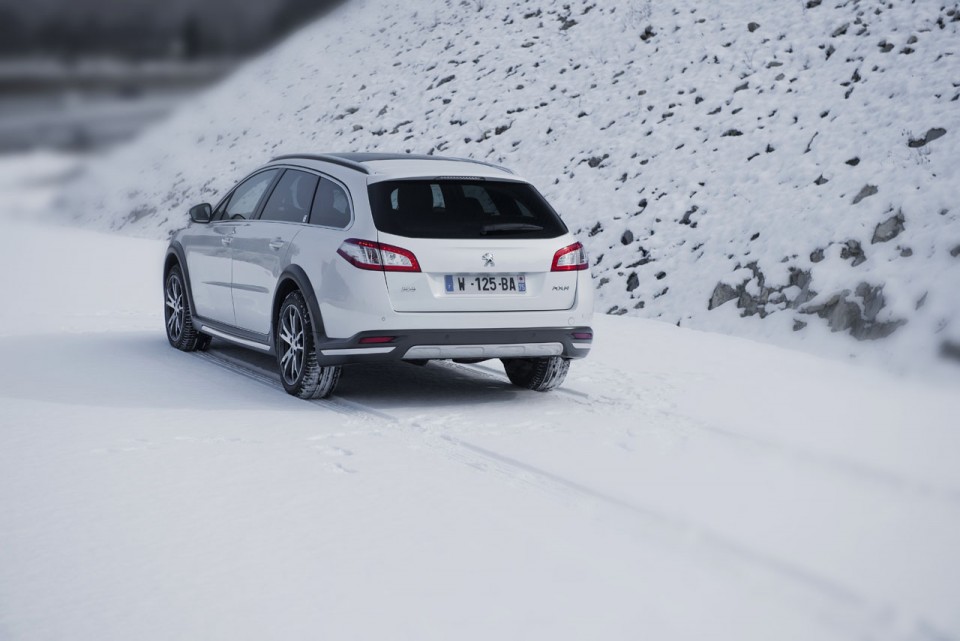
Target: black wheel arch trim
(296, 275)
(175, 250)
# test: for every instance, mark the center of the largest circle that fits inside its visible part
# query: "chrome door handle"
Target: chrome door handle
(276, 243)
(226, 240)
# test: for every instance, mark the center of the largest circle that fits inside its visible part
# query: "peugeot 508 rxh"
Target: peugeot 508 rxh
(328, 260)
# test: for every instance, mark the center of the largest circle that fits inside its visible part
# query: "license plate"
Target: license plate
(485, 284)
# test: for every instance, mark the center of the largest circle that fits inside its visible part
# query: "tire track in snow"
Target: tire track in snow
(833, 603)
(839, 465)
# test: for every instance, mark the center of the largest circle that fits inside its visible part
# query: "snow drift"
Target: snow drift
(784, 170)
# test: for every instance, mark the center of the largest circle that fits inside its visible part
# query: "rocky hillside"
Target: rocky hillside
(785, 170)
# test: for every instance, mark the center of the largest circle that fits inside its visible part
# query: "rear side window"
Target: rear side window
(246, 197)
(454, 208)
(331, 206)
(291, 198)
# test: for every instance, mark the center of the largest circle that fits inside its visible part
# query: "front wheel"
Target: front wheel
(178, 317)
(537, 374)
(300, 373)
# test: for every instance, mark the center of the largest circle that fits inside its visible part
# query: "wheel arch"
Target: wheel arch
(175, 256)
(294, 278)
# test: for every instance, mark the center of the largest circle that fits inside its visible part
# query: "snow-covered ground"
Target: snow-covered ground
(775, 169)
(682, 485)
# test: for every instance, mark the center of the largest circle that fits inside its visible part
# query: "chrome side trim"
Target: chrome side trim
(234, 339)
(583, 345)
(512, 350)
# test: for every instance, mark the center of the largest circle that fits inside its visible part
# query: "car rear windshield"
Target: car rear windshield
(462, 208)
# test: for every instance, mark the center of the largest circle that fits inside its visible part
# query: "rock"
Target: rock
(852, 249)
(888, 229)
(802, 280)
(859, 320)
(906, 252)
(950, 350)
(865, 192)
(722, 293)
(661, 275)
(627, 237)
(731, 132)
(839, 31)
(798, 325)
(764, 297)
(633, 281)
(872, 299)
(955, 251)
(685, 220)
(595, 230)
(820, 181)
(816, 255)
(753, 26)
(930, 136)
(853, 162)
(647, 33)
(595, 161)
(813, 3)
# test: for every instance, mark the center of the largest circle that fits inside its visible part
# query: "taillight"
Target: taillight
(367, 254)
(570, 258)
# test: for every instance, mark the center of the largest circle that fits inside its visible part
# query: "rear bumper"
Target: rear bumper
(416, 345)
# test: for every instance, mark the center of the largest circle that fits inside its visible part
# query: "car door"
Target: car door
(261, 246)
(209, 253)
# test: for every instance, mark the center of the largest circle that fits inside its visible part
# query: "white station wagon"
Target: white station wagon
(328, 260)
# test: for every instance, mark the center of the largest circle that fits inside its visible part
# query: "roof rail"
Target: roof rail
(336, 160)
(356, 160)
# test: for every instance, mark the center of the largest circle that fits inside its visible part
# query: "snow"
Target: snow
(681, 485)
(715, 143)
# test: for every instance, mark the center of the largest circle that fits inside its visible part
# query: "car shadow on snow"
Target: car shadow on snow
(140, 369)
(383, 386)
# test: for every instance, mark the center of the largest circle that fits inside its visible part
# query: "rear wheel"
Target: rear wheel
(178, 317)
(537, 374)
(300, 373)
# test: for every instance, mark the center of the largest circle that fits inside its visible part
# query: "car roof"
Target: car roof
(387, 166)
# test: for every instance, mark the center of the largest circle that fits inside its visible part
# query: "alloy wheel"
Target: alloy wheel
(174, 309)
(291, 345)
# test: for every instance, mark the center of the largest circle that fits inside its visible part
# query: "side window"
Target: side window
(221, 208)
(331, 206)
(291, 198)
(243, 203)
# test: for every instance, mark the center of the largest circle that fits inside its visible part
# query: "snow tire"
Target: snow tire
(178, 317)
(537, 374)
(300, 373)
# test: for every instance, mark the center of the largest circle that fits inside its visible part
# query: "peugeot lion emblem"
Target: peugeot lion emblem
(487, 259)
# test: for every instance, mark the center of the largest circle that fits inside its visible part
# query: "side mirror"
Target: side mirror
(201, 213)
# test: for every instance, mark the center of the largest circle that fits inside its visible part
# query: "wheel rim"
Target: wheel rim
(174, 308)
(291, 345)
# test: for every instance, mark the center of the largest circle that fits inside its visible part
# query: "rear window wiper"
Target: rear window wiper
(508, 227)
